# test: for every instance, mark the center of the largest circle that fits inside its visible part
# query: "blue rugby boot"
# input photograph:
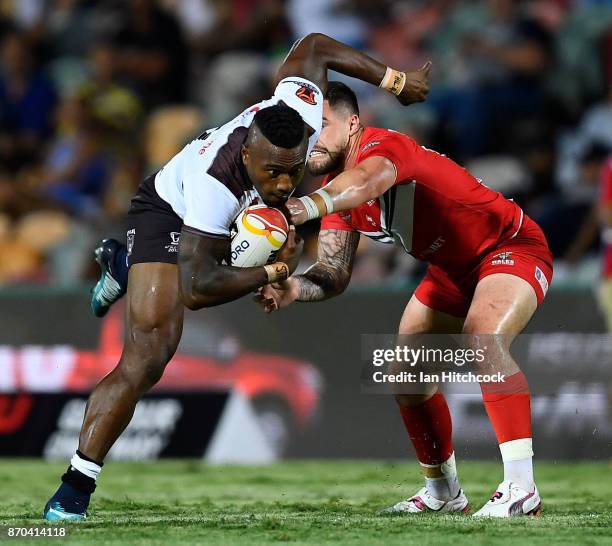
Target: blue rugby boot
(111, 256)
(67, 504)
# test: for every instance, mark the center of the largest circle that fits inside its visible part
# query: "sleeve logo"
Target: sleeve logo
(131, 235)
(541, 278)
(307, 94)
(370, 145)
(503, 258)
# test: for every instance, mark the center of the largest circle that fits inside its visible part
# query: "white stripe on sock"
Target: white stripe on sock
(91, 470)
(516, 449)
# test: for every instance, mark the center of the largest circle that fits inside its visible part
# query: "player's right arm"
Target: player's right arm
(205, 280)
(205, 247)
(327, 278)
(367, 180)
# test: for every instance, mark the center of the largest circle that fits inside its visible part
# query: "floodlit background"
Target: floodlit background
(94, 95)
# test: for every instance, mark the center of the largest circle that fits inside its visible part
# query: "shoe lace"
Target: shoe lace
(109, 289)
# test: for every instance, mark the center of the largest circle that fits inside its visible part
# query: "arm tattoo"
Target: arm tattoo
(332, 272)
(204, 279)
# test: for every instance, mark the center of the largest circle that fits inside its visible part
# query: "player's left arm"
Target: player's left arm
(314, 54)
(331, 274)
(325, 279)
(369, 179)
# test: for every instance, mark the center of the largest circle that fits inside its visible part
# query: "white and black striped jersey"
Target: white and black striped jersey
(206, 183)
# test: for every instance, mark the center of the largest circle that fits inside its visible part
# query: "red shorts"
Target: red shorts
(526, 256)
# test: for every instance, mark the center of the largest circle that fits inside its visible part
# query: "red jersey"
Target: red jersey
(436, 209)
(606, 201)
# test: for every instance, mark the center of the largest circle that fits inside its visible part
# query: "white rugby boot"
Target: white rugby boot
(423, 501)
(511, 500)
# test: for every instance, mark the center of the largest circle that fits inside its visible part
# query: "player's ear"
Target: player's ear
(244, 152)
(354, 124)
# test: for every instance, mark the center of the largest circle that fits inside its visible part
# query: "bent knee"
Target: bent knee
(154, 343)
(152, 372)
(141, 372)
(146, 354)
(156, 334)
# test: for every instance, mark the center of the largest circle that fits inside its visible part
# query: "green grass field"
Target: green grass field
(318, 503)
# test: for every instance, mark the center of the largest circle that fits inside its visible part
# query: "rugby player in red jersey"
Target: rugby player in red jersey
(489, 269)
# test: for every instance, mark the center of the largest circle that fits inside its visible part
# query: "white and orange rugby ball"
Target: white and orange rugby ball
(261, 231)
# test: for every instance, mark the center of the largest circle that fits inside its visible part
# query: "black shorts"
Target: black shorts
(153, 228)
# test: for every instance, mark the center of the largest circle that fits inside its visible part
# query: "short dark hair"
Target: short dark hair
(341, 94)
(281, 125)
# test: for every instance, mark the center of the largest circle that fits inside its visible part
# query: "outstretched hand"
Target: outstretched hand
(416, 87)
(273, 297)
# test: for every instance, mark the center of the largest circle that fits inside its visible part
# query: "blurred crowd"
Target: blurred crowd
(95, 94)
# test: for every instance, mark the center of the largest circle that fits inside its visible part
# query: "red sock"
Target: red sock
(508, 405)
(430, 429)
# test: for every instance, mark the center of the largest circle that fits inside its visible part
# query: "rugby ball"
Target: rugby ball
(261, 231)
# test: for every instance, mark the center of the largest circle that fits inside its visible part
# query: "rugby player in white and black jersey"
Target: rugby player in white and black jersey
(178, 237)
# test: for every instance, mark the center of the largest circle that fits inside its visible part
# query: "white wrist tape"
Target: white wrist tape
(312, 210)
(329, 204)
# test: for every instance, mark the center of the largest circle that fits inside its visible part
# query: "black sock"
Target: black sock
(79, 481)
